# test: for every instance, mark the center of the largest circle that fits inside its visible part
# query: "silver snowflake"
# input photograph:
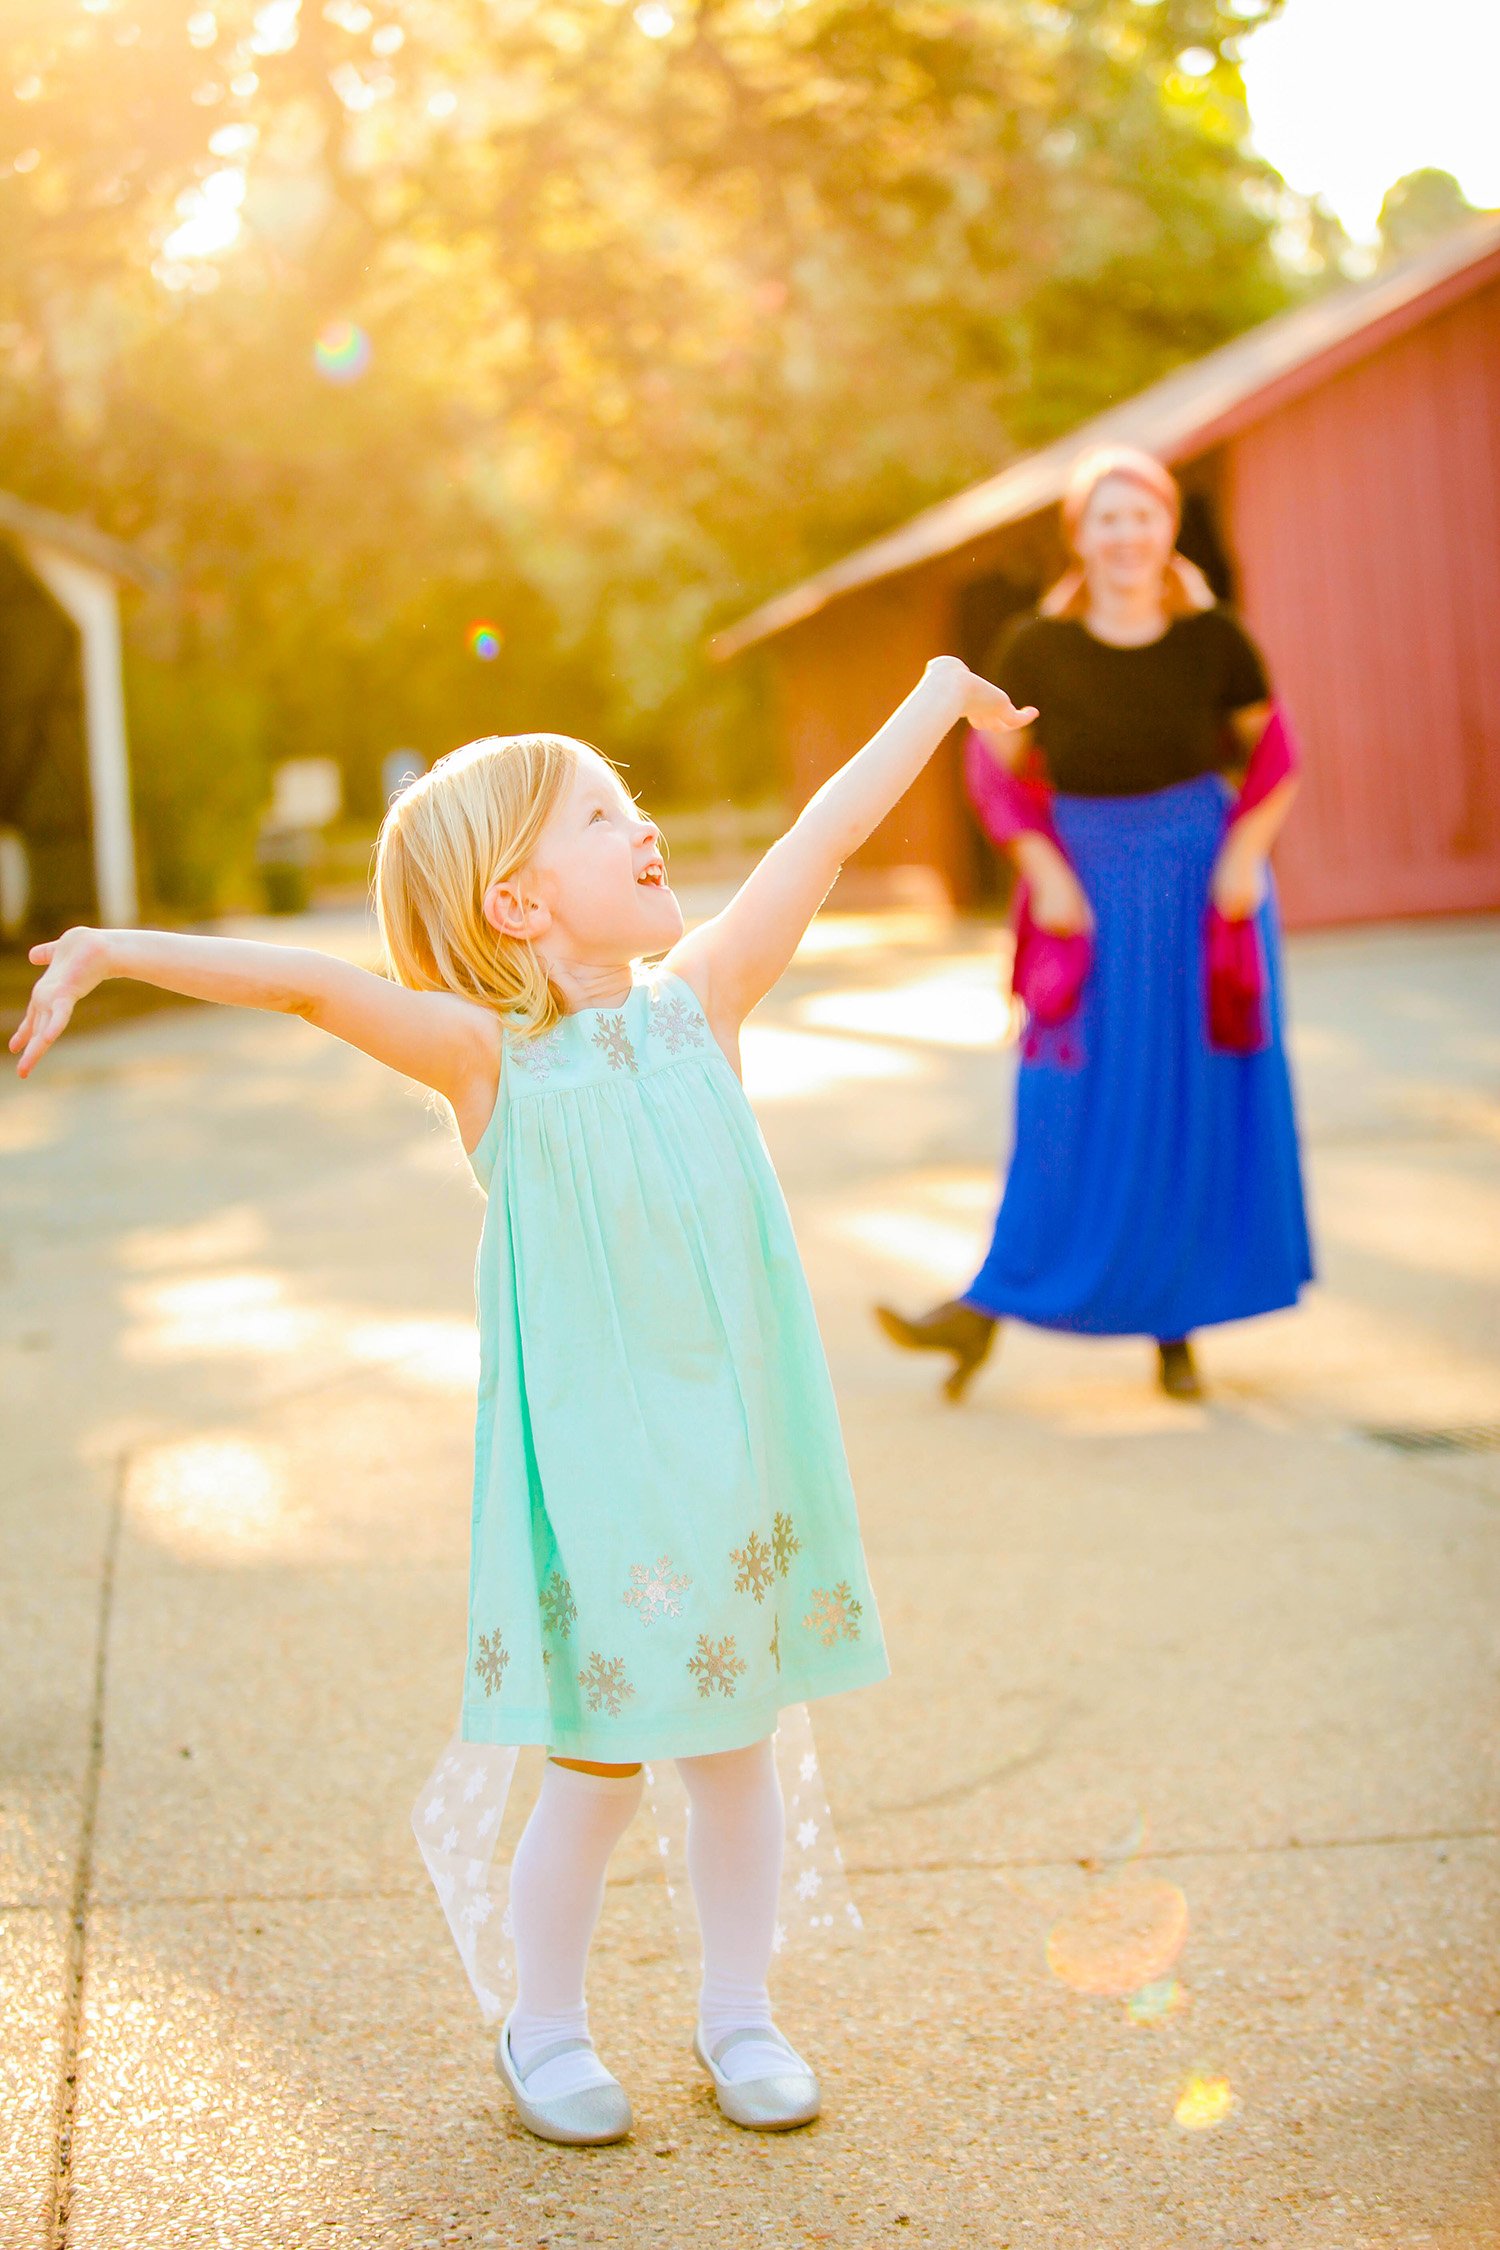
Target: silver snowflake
(558, 1608)
(676, 1024)
(614, 1043)
(604, 1683)
(538, 1054)
(655, 1590)
(755, 1570)
(716, 1665)
(834, 1611)
(491, 1661)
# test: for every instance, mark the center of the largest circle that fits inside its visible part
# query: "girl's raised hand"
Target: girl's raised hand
(990, 709)
(71, 966)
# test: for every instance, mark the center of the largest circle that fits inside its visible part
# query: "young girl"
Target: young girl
(665, 1548)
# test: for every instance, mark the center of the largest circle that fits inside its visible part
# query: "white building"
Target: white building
(67, 850)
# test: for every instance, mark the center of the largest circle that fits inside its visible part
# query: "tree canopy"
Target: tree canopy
(590, 321)
(1420, 208)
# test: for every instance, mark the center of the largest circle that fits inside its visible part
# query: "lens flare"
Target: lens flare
(1124, 1936)
(1165, 1997)
(342, 352)
(1204, 2102)
(485, 641)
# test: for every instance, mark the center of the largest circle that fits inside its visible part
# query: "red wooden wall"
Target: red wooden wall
(838, 677)
(1365, 523)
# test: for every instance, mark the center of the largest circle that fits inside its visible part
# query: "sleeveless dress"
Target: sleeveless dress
(665, 1547)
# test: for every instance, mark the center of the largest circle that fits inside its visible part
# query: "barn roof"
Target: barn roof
(78, 539)
(1186, 412)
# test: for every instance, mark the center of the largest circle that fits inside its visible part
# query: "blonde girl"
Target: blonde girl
(665, 1548)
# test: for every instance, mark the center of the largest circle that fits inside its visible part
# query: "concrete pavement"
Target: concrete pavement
(1175, 1831)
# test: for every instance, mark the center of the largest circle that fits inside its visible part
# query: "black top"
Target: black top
(1117, 722)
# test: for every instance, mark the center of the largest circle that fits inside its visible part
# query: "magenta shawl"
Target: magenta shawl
(1050, 970)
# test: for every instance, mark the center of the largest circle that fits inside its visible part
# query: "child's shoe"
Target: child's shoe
(776, 2099)
(567, 2095)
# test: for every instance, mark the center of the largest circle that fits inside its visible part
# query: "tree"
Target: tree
(596, 320)
(1421, 208)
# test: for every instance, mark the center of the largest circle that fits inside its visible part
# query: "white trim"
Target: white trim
(88, 597)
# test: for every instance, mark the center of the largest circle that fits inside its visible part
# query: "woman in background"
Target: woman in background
(1155, 1185)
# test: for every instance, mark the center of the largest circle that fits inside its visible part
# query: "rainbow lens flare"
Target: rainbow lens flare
(485, 642)
(1166, 1997)
(342, 352)
(1125, 1935)
(1203, 2102)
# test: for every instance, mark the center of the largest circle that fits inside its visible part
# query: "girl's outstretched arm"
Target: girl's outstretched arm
(733, 961)
(445, 1042)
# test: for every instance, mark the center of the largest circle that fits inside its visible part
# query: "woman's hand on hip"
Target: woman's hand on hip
(1059, 902)
(1238, 888)
(1060, 905)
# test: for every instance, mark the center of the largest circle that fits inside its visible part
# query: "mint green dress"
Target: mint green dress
(665, 1546)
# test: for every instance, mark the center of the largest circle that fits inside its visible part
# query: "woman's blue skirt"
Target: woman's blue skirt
(1155, 1185)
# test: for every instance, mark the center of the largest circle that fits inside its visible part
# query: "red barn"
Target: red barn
(1341, 472)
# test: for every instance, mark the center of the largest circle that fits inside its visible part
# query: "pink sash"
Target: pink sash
(1051, 970)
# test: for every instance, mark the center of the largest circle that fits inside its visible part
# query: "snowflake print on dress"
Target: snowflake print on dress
(605, 1684)
(491, 1661)
(756, 1572)
(538, 1055)
(784, 1543)
(776, 1642)
(559, 1610)
(676, 1024)
(656, 1590)
(834, 1611)
(614, 1043)
(716, 1665)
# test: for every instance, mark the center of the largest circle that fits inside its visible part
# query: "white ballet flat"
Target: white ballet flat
(590, 2118)
(777, 2104)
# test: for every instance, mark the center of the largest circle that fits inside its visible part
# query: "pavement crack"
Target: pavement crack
(1043, 1861)
(65, 2115)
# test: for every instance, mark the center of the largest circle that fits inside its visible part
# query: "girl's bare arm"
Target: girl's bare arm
(450, 1044)
(733, 961)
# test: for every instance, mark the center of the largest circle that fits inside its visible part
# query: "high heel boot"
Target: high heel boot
(1176, 1368)
(954, 1327)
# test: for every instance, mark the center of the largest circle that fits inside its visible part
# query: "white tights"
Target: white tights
(736, 1828)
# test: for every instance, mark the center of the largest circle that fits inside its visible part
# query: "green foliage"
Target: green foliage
(666, 306)
(1422, 207)
(198, 780)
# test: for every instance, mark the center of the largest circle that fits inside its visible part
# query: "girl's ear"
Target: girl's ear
(510, 913)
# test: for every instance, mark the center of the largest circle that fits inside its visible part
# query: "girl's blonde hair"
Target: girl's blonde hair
(475, 819)
(1185, 590)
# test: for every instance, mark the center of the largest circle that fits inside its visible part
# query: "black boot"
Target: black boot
(1176, 1370)
(954, 1328)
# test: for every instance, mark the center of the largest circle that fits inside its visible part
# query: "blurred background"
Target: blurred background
(375, 377)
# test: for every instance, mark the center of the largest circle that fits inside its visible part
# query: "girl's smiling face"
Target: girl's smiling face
(594, 894)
